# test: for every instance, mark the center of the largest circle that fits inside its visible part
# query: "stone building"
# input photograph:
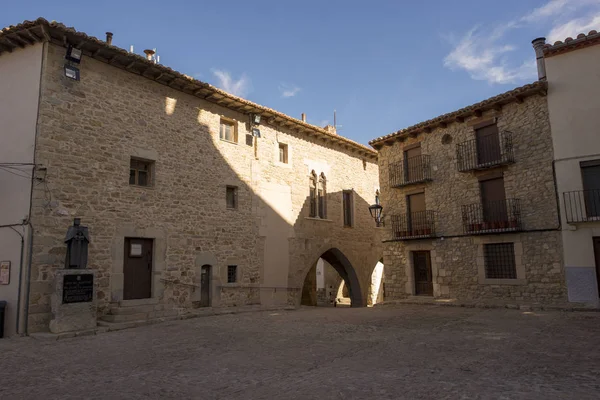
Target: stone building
(470, 205)
(192, 196)
(571, 69)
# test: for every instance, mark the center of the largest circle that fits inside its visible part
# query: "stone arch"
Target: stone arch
(344, 268)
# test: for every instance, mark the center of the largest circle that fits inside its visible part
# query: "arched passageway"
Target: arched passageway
(340, 263)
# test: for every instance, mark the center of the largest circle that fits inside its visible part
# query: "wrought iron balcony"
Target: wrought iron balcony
(416, 225)
(410, 170)
(582, 205)
(492, 216)
(483, 153)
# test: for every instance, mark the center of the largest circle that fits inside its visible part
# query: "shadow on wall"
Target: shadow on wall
(200, 209)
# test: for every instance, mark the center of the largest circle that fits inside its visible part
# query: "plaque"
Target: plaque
(4, 272)
(136, 250)
(78, 288)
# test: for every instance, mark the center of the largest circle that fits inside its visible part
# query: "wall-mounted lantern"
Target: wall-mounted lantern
(375, 211)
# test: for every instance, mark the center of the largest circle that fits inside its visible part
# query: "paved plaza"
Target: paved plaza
(403, 352)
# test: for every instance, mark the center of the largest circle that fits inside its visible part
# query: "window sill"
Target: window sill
(230, 285)
(318, 219)
(227, 141)
(485, 281)
(283, 165)
(141, 187)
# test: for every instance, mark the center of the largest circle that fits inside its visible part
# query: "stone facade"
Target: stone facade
(88, 130)
(457, 258)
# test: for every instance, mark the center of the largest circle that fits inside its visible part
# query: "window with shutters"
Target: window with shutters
(283, 153)
(228, 131)
(348, 207)
(499, 261)
(140, 172)
(590, 172)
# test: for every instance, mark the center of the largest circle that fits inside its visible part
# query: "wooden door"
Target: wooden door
(423, 275)
(413, 164)
(488, 145)
(597, 255)
(416, 212)
(205, 286)
(493, 200)
(137, 269)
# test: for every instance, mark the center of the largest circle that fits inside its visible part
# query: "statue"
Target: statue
(77, 241)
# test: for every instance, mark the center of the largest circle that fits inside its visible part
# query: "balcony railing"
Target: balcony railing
(411, 170)
(414, 225)
(582, 205)
(492, 216)
(483, 153)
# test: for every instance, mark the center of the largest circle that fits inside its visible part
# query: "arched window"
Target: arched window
(322, 193)
(313, 194)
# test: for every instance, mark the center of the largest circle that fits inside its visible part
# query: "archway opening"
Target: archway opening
(323, 281)
(377, 286)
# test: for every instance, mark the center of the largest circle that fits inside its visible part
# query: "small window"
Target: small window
(140, 172)
(313, 195)
(231, 273)
(227, 131)
(348, 208)
(500, 261)
(321, 194)
(283, 153)
(231, 196)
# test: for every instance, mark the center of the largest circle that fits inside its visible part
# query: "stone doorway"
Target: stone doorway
(205, 276)
(423, 273)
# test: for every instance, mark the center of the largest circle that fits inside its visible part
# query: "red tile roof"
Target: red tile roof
(569, 44)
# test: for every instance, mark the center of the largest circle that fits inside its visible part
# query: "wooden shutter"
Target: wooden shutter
(591, 187)
(413, 164)
(488, 145)
(493, 199)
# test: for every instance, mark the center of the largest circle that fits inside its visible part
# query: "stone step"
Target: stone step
(162, 314)
(137, 309)
(124, 317)
(137, 302)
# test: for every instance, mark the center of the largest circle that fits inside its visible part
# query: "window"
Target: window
(500, 261)
(347, 201)
(590, 173)
(231, 273)
(493, 200)
(231, 194)
(313, 195)
(283, 153)
(227, 131)
(321, 195)
(413, 164)
(140, 172)
(488, 145)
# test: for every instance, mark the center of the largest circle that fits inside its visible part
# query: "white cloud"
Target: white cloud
(239, 87)
(574, 27)
(485, 55)
(288, 90)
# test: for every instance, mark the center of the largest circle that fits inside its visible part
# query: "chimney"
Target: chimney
(149, 54)
(109, 36)
(538, 46)
(330, 129)
(303, 117)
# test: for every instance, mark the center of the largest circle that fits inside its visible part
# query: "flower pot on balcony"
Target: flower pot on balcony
(514, 224)
(502, 224)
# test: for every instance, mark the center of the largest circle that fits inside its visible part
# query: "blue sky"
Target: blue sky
(383, 65)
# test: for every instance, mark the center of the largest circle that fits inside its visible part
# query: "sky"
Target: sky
(382, 65)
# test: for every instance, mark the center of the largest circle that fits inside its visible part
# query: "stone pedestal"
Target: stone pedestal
(73, 303)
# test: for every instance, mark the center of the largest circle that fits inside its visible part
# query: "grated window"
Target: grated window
(500, 261)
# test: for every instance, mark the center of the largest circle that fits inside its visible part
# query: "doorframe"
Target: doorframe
(159, 250)
(410, 289)
(210, 281)
(412, 256)
(143, 240)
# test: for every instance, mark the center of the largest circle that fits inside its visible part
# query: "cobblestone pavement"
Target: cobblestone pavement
(404, 352)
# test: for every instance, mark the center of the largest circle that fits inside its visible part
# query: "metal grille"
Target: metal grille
(410, 170)
(500, 261)
(492, 216)
(420, 224)
(488, 153)
(231, 273)
(582, 205)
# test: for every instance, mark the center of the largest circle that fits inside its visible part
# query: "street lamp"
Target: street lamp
(375, 211)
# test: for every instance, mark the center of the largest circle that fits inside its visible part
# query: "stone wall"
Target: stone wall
(457, 257)
(89, 130)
